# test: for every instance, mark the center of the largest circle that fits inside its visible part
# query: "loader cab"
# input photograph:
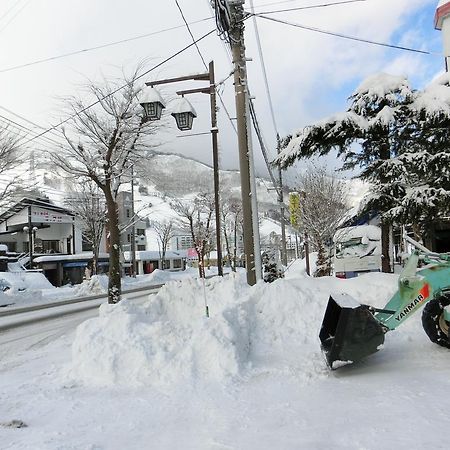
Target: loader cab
(356, 250)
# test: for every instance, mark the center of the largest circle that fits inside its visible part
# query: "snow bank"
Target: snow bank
(166, 340)
(268, 328)
(26, 280)
(25, 288)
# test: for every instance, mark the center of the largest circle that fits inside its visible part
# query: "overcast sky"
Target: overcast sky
(310, 74)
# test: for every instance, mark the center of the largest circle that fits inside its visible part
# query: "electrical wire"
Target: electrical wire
(323, 5)
(276, 3)
(15, 15)
(254, 121)
(190, 32)
(344, 36)
(86, 50)
(204, 63)
(72, 116)
(21, 127)
(9, 10)
(264, 71)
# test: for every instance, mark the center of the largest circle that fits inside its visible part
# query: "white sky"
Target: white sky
(310, 74)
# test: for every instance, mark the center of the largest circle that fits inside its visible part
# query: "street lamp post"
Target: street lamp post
(184, 114)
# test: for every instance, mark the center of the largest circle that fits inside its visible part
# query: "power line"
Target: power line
(277, 3)
(21, 127)
(86, 50)
(204, 63)
(9, 10)
(27, 120)
(15, 15)
(174, 55)
(264, 71)
(344, 36)
(324, 5)
(190, 32)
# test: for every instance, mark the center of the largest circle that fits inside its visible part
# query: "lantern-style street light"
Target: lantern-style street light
(152, 103)
(184, 114)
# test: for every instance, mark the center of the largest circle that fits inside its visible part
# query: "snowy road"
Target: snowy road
(38, 334)
(35, 328)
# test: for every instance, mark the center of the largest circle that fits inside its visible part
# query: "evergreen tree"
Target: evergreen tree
(379, 120)
(270, 267)
(425, 163)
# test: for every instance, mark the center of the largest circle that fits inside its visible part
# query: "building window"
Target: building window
(177, 263)
(50, 246)
(128, 237)
(140, 232)
(185, 242)
(141, 248)
(128, 213)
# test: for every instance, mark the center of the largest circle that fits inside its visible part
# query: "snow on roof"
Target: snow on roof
(76, 257)
(150, 255)
(371, 232)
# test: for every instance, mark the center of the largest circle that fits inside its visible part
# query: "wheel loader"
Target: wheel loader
(351, 331)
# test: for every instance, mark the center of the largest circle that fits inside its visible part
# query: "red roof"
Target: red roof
(441, 13)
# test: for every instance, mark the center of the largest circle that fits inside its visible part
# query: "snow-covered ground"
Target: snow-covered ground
(162, 375)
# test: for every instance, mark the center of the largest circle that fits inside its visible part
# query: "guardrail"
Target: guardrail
(75, 300)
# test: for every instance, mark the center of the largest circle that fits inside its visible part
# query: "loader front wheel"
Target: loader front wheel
(433, 322)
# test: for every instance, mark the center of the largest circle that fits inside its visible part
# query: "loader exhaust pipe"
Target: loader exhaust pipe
(349, 331)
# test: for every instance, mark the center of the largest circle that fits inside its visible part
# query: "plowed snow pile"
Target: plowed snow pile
(268, 328)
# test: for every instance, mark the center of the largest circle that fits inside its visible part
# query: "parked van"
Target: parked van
(356, 250)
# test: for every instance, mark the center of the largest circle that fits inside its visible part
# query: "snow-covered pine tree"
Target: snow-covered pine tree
(426, 161)
(270, 267)
(377, 122)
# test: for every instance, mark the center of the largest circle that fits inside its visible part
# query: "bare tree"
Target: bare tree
(323, 206)
(104, 139)
(164, 233)
(11, 157)
(231, 222)
(197, 218)
(88, 203)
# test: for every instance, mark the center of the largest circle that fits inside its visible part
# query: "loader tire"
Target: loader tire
(436, 328)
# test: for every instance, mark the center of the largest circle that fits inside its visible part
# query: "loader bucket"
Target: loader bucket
(349, 331)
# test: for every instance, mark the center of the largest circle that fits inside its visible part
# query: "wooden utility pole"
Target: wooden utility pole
(133, 228)
(281, 204)
(30, 237)
(236, 32)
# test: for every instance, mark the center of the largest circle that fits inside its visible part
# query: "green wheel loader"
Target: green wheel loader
(351, 331)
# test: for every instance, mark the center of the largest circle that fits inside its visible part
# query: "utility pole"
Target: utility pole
(133, 228)
(236, 33)
(30, 236)
(308, 266)
(281, 204)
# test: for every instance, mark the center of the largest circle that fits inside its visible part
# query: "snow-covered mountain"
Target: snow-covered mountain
(163, 177)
